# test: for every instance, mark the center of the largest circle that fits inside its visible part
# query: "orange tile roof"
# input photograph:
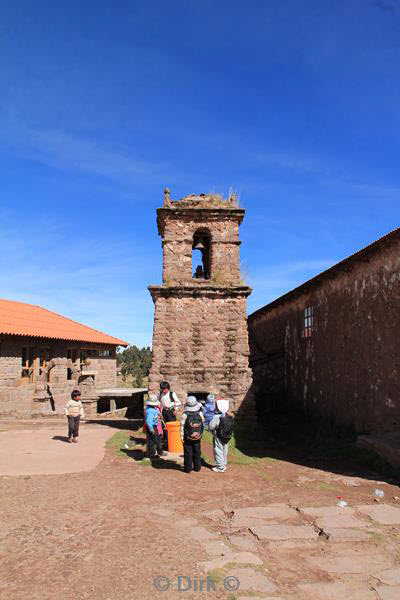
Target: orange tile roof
(18, 318)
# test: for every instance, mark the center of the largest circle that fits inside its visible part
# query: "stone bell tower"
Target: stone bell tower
(200, 340)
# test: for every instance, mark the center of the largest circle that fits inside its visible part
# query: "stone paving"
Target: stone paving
(280, 552)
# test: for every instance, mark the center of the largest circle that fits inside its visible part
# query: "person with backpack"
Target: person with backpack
(169, 402)
(221, 426)
(192, 427)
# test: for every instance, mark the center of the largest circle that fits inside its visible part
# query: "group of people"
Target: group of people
(162, 408)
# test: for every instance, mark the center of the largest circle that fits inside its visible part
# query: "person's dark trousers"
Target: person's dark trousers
(73, 426)
(167, 415)
(154, 444)
(191, 455)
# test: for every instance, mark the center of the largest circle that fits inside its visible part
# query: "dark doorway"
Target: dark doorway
(103, 405)
(200, 396)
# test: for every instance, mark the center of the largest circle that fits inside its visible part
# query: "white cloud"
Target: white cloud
(66, 151)
(105, 289)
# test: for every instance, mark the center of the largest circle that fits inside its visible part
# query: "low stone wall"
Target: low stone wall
(17, 401)
(200, 341)
(51, 388)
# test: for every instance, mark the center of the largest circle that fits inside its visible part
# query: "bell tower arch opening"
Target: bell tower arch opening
(201, 254)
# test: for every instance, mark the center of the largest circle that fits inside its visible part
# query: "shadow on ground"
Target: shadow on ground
(139, 454)
(131, 424)
(294, 437)
(288, 436)
(60, 438)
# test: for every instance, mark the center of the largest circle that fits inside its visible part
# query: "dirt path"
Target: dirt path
(46, 451)
(107, 533)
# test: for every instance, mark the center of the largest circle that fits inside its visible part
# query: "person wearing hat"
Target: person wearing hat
(221, 426)
(152, 420)
(192, 426)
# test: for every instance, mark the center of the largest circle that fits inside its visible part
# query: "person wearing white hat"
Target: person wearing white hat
(152, 418)
(221, 426)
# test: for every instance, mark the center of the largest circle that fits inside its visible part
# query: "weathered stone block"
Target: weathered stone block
(384, 514)
(283, 532)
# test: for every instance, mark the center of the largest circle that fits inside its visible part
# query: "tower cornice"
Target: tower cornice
(199, 290)
(197, 215)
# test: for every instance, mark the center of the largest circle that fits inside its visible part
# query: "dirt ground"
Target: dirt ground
(107, 533)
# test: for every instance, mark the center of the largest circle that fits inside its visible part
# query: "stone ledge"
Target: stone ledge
(213, 242)
(196, 291)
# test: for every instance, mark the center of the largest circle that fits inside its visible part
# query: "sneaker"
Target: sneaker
(75, 440)
(218, 470)
(69, 440)
(163, 454)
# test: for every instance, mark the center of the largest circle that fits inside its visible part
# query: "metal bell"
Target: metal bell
(199, 246)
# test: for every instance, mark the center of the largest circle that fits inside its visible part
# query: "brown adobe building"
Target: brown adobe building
(44, 356)
(331, 347)
(200, 339)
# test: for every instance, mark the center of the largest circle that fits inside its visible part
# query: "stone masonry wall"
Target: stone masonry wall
(200, 340)
(20, 399)
(10, 361)
(106, 370)
(200, 344)
(177, 246)
(348, 370)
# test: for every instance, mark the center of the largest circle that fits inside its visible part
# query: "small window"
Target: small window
(88, 353)
(104, 353)
(309, 322)
(72, 354)
(44, 357)
(28, 363)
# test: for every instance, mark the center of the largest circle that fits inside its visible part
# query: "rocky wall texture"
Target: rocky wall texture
(200, 341)
(348, 368)
(50, 390)
(106, 371)
(178, 229)
(17, 401)
(10, 360)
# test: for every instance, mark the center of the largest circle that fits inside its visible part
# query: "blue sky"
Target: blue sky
(103, 104)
